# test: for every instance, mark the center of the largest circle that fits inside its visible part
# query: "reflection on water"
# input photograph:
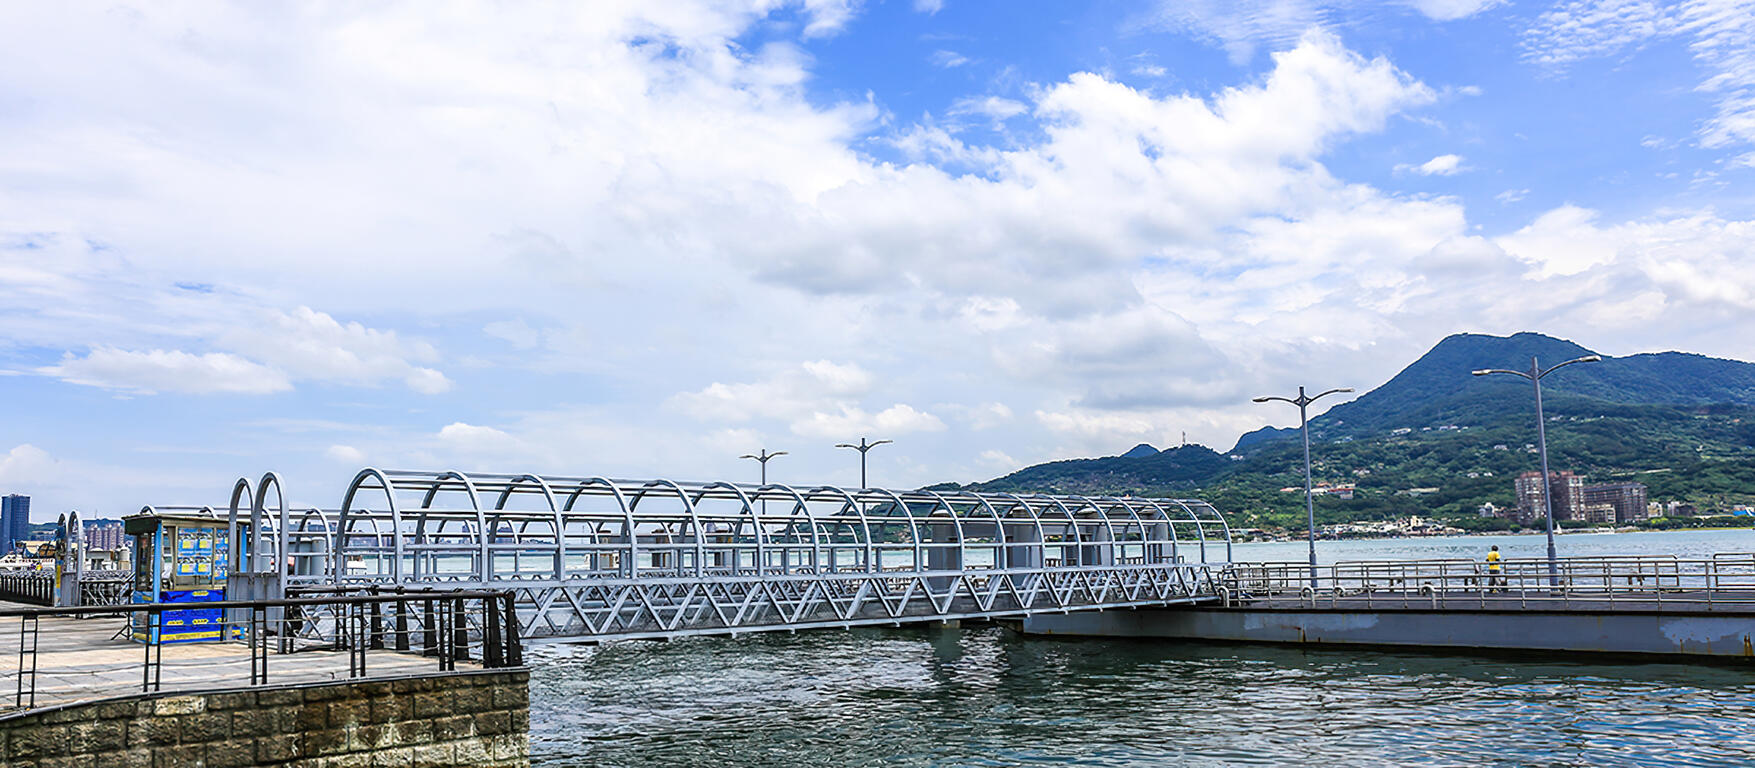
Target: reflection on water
(986, 696)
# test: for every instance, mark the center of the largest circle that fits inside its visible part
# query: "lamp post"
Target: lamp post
(763, 456)
(1303, 402)
(862, 447)
(1535, 374)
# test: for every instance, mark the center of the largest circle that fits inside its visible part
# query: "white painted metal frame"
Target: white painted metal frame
(600, 558)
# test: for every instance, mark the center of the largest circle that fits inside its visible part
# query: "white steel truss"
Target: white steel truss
(595, 558)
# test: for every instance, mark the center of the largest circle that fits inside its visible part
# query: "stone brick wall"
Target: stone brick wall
(467, 719)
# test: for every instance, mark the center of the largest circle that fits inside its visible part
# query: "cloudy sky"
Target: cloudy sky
(642, 238)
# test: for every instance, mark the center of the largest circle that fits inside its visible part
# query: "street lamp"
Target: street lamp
(862, 447)
(763, 456)
(1303, 402)
(1535, 375)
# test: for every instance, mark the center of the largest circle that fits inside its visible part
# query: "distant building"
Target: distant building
(1489, 509)
(104, 535)
(14, 521)
(1627, 499)
(1596, 512)
(1566, 488)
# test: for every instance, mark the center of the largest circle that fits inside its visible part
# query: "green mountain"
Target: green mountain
(1438, 390)
(1435, 440)
(1177, 471)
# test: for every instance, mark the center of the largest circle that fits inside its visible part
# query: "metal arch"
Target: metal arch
(1200, 529)
(396, 573)
(688, 506)
(951, 511)
(849, 502)
(1035, 519)
(755, 521)
(1169, 526)
(913, 532)
(1122, 543)
(560, 524)
(701, 533)
(611, 598)
(1224, 525)
(241, 493)
(259, 508)
(485, 564)
(628, 524)
(336, 560)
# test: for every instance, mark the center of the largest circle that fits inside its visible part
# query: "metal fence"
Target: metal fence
(344, 635)
(1722, 581)
(31, 587)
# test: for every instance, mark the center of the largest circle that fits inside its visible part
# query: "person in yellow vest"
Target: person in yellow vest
(1495, 569)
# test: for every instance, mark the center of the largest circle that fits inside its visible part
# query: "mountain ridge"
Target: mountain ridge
(1433, 425)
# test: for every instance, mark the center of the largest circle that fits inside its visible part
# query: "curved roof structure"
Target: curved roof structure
(403, 526)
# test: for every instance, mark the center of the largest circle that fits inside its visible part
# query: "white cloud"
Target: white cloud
(1720, 34)
(1242, 27)
(346, 454)
(929, 6)
(1563, 241)
(1442, 165)
(311, 345)
(1511, 196)
(24, 466)
(817, 399)
(1452, 10)
(998, 459)
(898, 419)
(786, 394)
(460, 432)
(649, 201)
(995, 108)
(944, 59)
(161, 370)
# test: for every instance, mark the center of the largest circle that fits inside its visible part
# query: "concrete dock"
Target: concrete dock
(89, 659)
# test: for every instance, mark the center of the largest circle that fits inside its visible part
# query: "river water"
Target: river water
(987, 697)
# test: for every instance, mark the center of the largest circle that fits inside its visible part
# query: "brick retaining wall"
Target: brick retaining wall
(465, 719)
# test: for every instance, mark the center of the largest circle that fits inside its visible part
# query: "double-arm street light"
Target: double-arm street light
(862, 447)
(1303, 402)
(1535, 374)
(763, 456)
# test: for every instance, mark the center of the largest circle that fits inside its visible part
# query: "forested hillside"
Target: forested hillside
(1435, 440)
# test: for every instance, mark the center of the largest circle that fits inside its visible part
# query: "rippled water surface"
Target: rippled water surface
(985, 696)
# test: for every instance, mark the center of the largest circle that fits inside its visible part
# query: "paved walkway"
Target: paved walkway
(85, 659)
(1740, 601)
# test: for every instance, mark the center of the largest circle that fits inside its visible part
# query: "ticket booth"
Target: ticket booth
(179, 560)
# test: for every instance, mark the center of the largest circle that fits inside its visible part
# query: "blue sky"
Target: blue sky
(641, 239)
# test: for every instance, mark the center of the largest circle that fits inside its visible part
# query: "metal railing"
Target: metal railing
(105, 591)
(33, 587)
(253, 642)
(1724, 581)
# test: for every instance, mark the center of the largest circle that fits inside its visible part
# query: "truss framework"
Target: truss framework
(600, 558)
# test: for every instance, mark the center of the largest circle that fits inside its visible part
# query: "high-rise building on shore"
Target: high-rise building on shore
(1628, 500)
(14, 521)
(1573, 500)
(1566, 487)
(105, 534)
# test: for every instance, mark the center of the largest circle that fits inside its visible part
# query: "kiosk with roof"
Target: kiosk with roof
(179, 559)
